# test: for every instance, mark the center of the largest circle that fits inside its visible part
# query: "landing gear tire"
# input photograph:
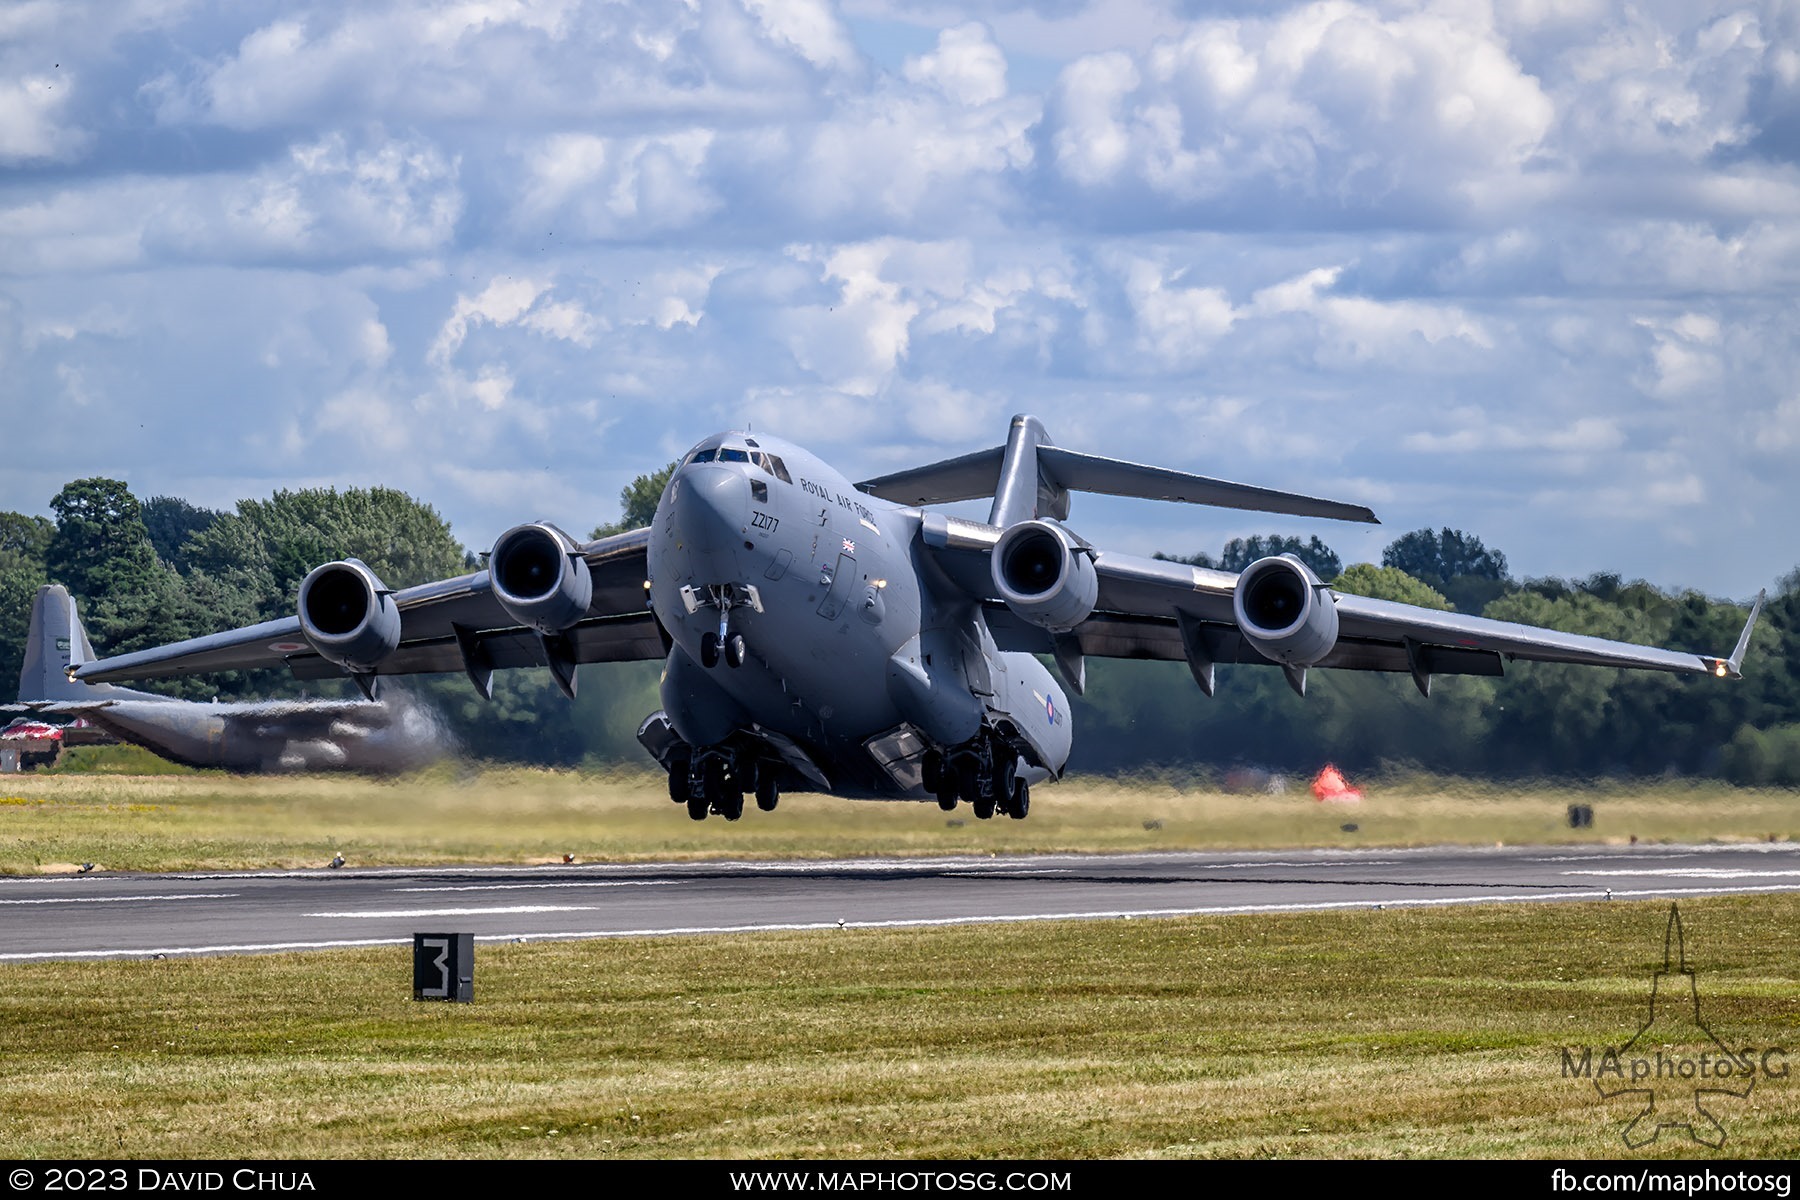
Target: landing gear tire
(709, 650)
(697, 807)
(984, 808)
(1020, 806)
(678, 781)
(768, 792)
(730, 804)
(735, 650)
(1006, 772)
(947, 801)
(931, 774)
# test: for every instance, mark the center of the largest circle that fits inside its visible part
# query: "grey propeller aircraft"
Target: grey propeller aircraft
(264, 736)
(823, 635)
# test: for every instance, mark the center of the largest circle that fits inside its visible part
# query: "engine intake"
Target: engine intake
(348, 615)
(1045, 575)
(1285, 612)
(540, 578)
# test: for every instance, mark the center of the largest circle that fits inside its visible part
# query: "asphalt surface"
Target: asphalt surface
(113, 916)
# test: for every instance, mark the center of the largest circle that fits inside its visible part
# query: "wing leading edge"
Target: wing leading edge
(1150, 608)
(450, 625)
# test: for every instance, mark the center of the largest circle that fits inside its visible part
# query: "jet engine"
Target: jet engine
(1045, 575)
(540, 578)
(348, 615)
(1285, 612)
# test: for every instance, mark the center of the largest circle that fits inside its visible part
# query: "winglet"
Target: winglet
(1729, 668)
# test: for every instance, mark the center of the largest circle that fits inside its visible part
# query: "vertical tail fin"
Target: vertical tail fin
(55, 641)
(1024, 490)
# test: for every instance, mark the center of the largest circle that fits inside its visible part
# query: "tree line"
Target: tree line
(146, 573)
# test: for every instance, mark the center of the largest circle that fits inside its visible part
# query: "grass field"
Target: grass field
(1384, 1033)
(1394, 1033)
(212, 820)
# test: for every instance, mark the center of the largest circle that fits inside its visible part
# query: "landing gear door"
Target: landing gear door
(843, 582)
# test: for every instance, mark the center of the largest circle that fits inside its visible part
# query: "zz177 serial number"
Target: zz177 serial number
(86, 1179)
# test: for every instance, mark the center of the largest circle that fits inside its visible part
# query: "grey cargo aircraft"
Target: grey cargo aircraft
(272, 735)
(823, 635)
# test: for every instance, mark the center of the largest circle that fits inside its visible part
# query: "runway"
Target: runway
(126, 916)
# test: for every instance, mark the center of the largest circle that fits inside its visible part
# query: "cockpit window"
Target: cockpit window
(770, 464)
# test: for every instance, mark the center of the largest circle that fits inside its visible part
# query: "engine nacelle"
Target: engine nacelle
(540, 578)
(1285, 612)
(348, 615)
(1045, 575)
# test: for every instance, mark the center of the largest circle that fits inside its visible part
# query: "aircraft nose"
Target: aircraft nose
(712, 506)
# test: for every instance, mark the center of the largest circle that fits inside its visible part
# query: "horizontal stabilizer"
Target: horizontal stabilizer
(970, 477)
(974, 476)
(1115, 477)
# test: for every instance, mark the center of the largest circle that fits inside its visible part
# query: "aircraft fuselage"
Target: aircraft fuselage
(846, 648)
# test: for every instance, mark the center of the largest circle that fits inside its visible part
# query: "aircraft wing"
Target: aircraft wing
(1150, 608)
(444, 626)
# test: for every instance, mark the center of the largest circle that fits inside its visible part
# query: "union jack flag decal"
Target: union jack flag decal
(849, 546)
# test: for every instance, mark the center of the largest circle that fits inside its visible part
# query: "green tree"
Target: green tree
(19, 585)
(1241, 552)
(1389, 583)
(1445, 554)
(637, 502)
(267, 546)
(24, 540)
(1456, 564)
(100, 545)
(171, 521)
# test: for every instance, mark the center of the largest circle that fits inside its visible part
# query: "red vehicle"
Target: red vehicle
(38, 743)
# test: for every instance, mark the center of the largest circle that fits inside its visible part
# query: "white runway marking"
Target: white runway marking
(460, 912)
(1361, 862)
(999, 874)
(1615, 857)
(1695, 873)
(123, 899)
(509, 887)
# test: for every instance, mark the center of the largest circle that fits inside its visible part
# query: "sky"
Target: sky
(1525, 268)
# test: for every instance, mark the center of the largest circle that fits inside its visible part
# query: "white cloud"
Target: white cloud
(502, 302)
(412, 60)
(1329, 104)
(1683, 356)
(597, 187)
(966, 66)
(809, 26)
(33, 125)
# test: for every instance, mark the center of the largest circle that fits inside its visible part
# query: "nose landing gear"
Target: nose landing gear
(723, 643)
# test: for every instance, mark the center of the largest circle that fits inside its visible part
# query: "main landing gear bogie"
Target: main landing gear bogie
(718, 782)
(984, 775)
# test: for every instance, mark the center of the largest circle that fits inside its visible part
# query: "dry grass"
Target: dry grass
(1397, 1033)
(211, 820)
